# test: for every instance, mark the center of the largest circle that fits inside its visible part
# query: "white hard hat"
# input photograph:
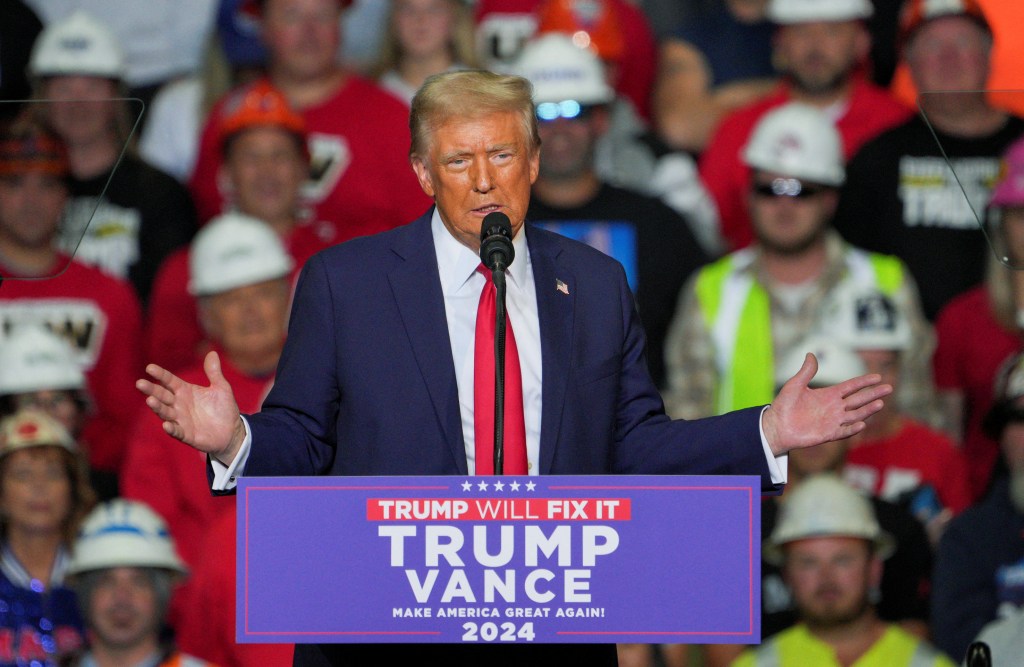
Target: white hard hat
(837, 361)
(78, 44)
(124, 533)
(235, 250)
(866, 319)
(33, 358)
(785, 12)
(30, 427)
(799, 141)
(559, 70)
(825, 506)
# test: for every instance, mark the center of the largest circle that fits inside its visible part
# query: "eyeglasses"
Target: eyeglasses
(569, 109)
(787, 187)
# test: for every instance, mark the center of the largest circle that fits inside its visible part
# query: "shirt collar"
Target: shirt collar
(456, 263)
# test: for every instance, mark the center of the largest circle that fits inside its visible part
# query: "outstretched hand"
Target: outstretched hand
(206, 418)
(803, 417)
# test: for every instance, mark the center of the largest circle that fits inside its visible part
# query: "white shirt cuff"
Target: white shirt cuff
(778, 466)
(225, 477)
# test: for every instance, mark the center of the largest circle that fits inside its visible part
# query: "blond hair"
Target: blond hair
(470, 94)
(461, 45)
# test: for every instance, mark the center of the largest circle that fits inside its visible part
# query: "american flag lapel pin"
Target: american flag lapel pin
(561, 287)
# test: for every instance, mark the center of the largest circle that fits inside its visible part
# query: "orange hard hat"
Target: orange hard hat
(29, 147)
(591, 23)
(259, 105)
(916, 13)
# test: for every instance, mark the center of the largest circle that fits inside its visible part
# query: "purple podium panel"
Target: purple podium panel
(549, 559)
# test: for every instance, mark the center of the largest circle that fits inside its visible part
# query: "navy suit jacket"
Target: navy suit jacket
(366, 383)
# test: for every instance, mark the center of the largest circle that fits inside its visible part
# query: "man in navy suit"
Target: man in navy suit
(377, 374)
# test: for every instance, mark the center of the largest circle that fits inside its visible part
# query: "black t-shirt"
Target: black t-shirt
(653, 243)
(906, 574)
(143, 217)
(900, 198)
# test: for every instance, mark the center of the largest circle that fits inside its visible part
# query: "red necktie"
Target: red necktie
(483, 380)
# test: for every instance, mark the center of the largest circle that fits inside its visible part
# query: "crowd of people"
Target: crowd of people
(167, 169)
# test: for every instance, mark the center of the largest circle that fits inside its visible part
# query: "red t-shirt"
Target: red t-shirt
(360, 178)
(971, 348)
(870, 111)
(100, 316)
(912, 457)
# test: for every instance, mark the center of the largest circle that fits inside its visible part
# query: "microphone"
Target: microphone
(496, 251)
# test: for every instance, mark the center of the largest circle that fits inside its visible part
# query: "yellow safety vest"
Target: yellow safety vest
(737, 310)
(797, 647)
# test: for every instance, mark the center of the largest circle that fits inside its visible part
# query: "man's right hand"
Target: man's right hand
(206, 418)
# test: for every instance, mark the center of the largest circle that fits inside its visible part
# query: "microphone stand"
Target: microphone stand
(498, 276)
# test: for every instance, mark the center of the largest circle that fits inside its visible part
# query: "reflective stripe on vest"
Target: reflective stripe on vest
(738, 312)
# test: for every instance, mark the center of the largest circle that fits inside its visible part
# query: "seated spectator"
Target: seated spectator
(738, 316)
(896, 457)
(917, 190)
(263, 142)
(979, 566)
(820, 48)
(123, 570)
(982, 328)
(719, 60)
(358, 135)
(424, 37)
(96, 313)
(654, 244)
(44, 494)
(608, 26)
(38, 370)
(568, 81)
(123, 216)
(239, 272)
(831, 550)
(902, 596)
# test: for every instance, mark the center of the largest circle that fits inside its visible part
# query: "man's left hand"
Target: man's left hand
(803, 417)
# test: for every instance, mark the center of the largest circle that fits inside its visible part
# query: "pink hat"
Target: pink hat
(1009, 191)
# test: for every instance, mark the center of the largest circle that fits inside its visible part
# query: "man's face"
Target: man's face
(828, 457)
(83, 109)
(249, 321)
(302, 36)
(830, 578)
(266, 168)
(789, 225)
(949, 53)
(567, 144)
(477, 166)
(123, 608)
(820, 55)
(31, 208)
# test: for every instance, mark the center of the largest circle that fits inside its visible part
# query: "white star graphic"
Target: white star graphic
(482, 486)
(514, 486)
(467, 485)
(530, 486)
(499, 486)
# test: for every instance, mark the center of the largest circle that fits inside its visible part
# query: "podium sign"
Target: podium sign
(643, 559)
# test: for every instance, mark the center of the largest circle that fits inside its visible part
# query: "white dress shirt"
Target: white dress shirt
(461, 285)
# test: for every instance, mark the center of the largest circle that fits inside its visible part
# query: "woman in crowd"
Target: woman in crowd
(424, 37)
(44, 493)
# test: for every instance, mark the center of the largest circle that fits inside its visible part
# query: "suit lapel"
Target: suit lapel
(421, 304)
(555, 310)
